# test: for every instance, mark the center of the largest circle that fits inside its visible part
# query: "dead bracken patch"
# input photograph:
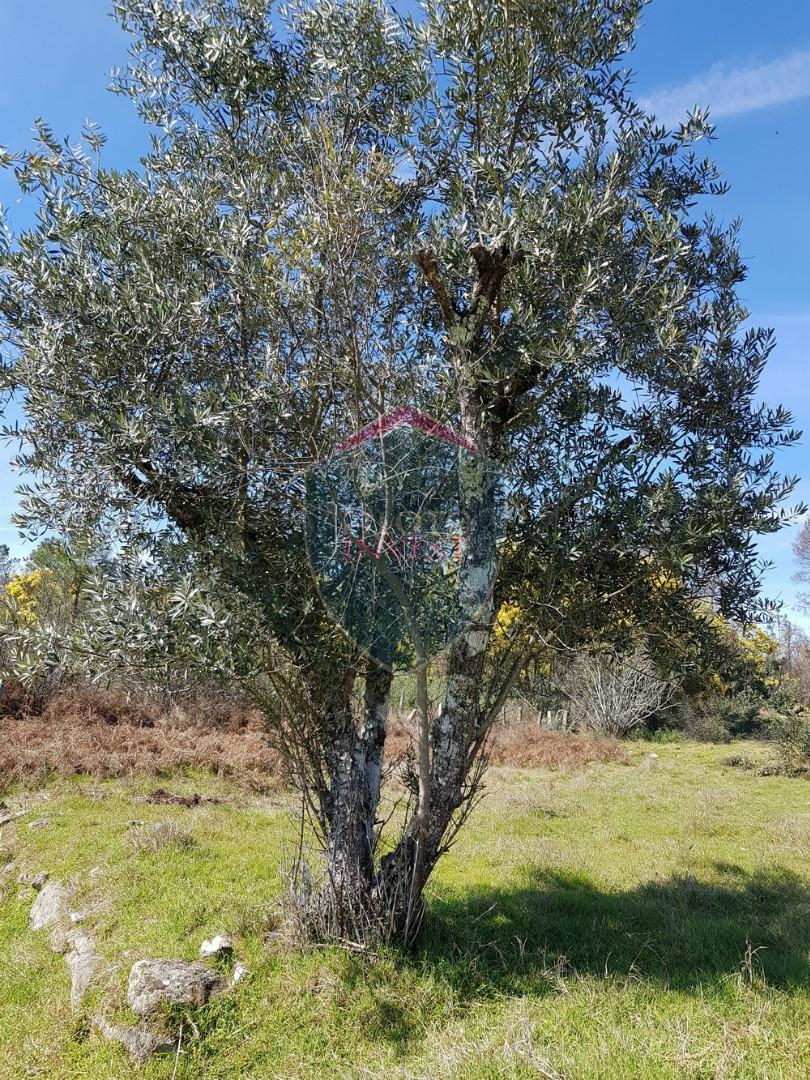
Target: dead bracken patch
(68, 704)
(102, 733)
(86, 706)
(79, 735)
(529, 746)
(521, 744)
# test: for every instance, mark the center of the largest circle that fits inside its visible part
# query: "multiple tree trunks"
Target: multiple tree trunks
(360, 896)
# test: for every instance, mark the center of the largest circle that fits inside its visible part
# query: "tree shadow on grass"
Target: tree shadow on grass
(681, 933)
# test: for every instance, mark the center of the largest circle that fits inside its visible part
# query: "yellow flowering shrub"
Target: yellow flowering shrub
(27, 590)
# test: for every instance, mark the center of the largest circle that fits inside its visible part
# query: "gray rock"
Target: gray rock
(61, 936)
(38, 880)
(83, 967)
(50, 906)
(140, 1041)
(80, 943)
(66, 930)
(152, 982)
(215, 946)
(40, 823)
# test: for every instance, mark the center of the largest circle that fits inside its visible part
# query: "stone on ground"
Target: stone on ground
(152, 982)
(221, 943)
(50, 905)
(140, 1041)
(239, 972)
(83, 968)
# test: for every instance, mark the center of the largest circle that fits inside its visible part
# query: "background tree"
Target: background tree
(6, 564)
(48, 585)
(801, 553)
(344, 211)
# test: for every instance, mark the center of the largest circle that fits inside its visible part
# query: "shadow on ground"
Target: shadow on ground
(681, 932)
(481, 945)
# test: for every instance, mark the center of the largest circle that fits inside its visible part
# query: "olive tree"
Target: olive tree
(345, 211)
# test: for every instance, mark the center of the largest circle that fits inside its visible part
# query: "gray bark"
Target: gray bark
(405, 871)
(355, 767)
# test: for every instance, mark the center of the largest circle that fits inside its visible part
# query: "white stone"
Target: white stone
(83, 967)
(221, 943)
(239, 972)
(140, 1042)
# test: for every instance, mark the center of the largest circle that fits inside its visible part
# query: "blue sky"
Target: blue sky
(751, 62)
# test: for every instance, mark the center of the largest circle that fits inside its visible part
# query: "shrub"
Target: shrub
(613, 694)
(719, 718)
(703, 719)
(742, 714)
(791, 734)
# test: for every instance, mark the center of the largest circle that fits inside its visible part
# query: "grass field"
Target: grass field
(649, 919)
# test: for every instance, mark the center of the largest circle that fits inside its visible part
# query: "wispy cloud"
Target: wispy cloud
(730, 91)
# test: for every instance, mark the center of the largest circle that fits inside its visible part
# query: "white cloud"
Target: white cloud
(730, 91)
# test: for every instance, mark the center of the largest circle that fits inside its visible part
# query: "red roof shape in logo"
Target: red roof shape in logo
(405, 416)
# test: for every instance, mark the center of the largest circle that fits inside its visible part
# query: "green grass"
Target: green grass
(643, 920)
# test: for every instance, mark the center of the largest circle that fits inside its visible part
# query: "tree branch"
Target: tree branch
(430, 268)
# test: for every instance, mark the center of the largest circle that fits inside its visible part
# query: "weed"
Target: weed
(161, 836)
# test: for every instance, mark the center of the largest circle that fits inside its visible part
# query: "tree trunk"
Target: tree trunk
(365, 901)
(405, 871)
(344, 905)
